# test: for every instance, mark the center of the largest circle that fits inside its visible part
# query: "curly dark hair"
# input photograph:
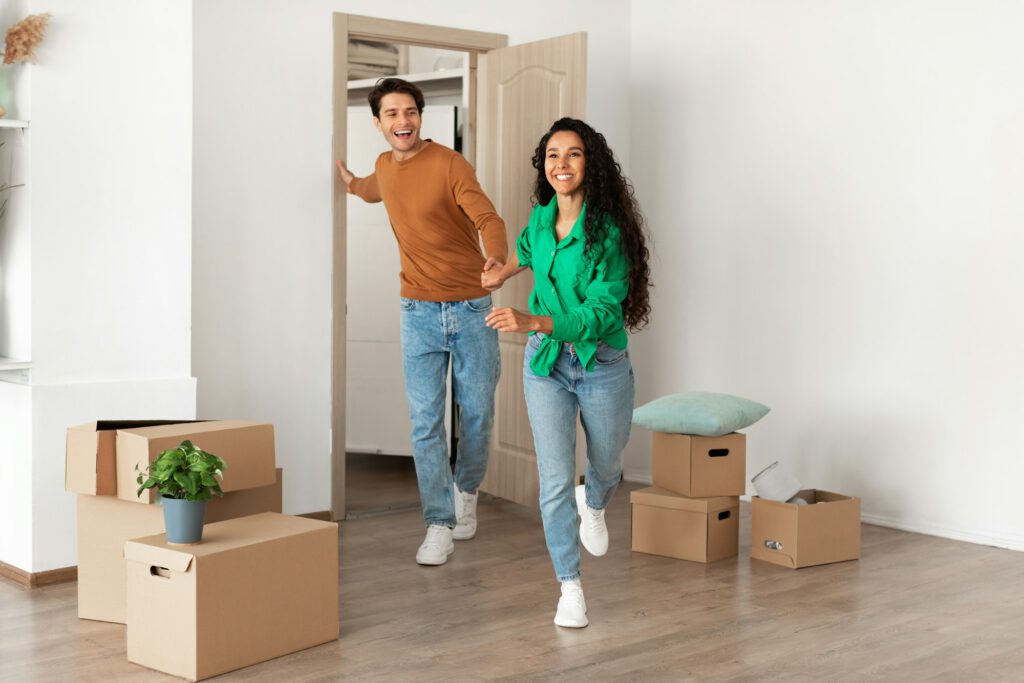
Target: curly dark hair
(609, 196)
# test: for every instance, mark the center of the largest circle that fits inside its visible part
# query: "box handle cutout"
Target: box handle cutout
(773, 545)
(718, 452)
(162, 572)
(725, 514)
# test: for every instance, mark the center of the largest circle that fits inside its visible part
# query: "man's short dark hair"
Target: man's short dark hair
(386, 86)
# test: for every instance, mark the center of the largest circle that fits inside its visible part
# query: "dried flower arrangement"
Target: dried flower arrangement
(24, 37)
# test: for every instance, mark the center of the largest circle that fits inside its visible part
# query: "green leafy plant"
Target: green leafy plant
(186, 472)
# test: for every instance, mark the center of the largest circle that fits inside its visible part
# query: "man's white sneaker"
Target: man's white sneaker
(465, 515)
(593, 532)
(437, 546)
(572, 608)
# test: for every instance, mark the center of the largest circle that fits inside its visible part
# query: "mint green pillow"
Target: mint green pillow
(701, 413)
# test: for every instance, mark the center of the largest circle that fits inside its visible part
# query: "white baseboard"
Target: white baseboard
(1015, 542)
(637, 476)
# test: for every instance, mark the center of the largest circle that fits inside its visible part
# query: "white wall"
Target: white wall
(110, 189)
(262, 197)
(835, 192)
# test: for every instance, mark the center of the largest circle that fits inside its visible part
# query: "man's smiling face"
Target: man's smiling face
(399, 121)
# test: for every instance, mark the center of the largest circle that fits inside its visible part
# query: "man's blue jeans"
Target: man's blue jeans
(604, 398)
(433, 332)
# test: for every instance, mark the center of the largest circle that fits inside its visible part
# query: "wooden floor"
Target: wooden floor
(914, 608)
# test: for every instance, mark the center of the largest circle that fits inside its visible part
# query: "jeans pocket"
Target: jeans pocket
(481, 305)
(607, 355)
(406, 304)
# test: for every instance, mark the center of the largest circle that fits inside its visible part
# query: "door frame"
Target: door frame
(346, 26)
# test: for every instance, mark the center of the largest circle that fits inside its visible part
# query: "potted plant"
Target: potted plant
(185, 477)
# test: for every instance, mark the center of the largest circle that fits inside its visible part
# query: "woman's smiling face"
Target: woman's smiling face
(564, 162)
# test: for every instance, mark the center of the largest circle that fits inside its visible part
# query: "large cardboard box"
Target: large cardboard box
(90, 466)
(106, 522)
(700, 466)
(697, 529)
(246, 447)
(255, 588)
(827, 530)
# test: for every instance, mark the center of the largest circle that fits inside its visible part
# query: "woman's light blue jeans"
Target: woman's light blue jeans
(604, 398)
(433, 332)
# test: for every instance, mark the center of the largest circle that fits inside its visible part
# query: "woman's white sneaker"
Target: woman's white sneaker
(593, 531)
(436, 547)
(572, 607)
(465, 514)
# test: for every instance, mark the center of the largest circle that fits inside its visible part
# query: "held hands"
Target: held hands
(492, 278)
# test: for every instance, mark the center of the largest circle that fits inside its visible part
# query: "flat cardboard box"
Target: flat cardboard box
(698, 529)
(246, 447)
(255, 588)
(89, 457)
(826, 531)
(106, 522)
(700, 466)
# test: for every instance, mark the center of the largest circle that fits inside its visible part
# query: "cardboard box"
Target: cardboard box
(89, 457)
(255, 588)
(700, 466)
(827, 530)
(697, 529)
(246, 447)
(106, 522)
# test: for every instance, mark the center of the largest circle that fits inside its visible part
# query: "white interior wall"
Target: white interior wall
(835, 192)
(110, 203)
(262, 198)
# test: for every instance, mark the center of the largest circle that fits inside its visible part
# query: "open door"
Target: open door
(521, 91)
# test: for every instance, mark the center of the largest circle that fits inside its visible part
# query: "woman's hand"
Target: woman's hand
(510, 320)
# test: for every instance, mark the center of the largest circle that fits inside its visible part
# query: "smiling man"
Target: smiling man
(438, 214)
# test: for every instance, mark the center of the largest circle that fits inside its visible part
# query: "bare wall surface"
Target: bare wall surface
(834, 189)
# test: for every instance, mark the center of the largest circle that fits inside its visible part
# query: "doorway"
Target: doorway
(512, 95)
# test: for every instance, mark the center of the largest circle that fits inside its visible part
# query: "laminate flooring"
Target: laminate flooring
(913, 608)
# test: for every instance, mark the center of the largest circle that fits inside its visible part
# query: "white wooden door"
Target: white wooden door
(376, 412)
(522, 90)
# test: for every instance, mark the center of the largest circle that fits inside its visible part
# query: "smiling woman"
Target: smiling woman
(586, 245)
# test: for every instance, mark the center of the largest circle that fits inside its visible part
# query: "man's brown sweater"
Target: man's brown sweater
(436, 207)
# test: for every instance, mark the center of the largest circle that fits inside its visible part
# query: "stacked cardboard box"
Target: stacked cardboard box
(692, 511)
(100, 467)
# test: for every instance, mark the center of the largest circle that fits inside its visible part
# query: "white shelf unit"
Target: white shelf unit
(12, 369)
(447, 82)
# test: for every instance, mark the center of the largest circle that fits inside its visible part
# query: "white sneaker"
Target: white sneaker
(465, 515)
(593, 532)
(572, 608)
(437, 546)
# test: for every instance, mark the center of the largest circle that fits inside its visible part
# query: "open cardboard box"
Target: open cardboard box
(90, 464)
(825, 531)
(700, 466)
(246, 447)
(255, 588)
(106, 522)
(697, 529)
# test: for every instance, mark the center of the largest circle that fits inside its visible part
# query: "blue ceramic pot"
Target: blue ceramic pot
(183, 519)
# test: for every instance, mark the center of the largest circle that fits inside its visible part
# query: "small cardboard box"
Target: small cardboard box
(700, 466)
(90, 466)
(255, 588)
(106, 522)
(827, 530)
(246, 447)
(697, 529)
